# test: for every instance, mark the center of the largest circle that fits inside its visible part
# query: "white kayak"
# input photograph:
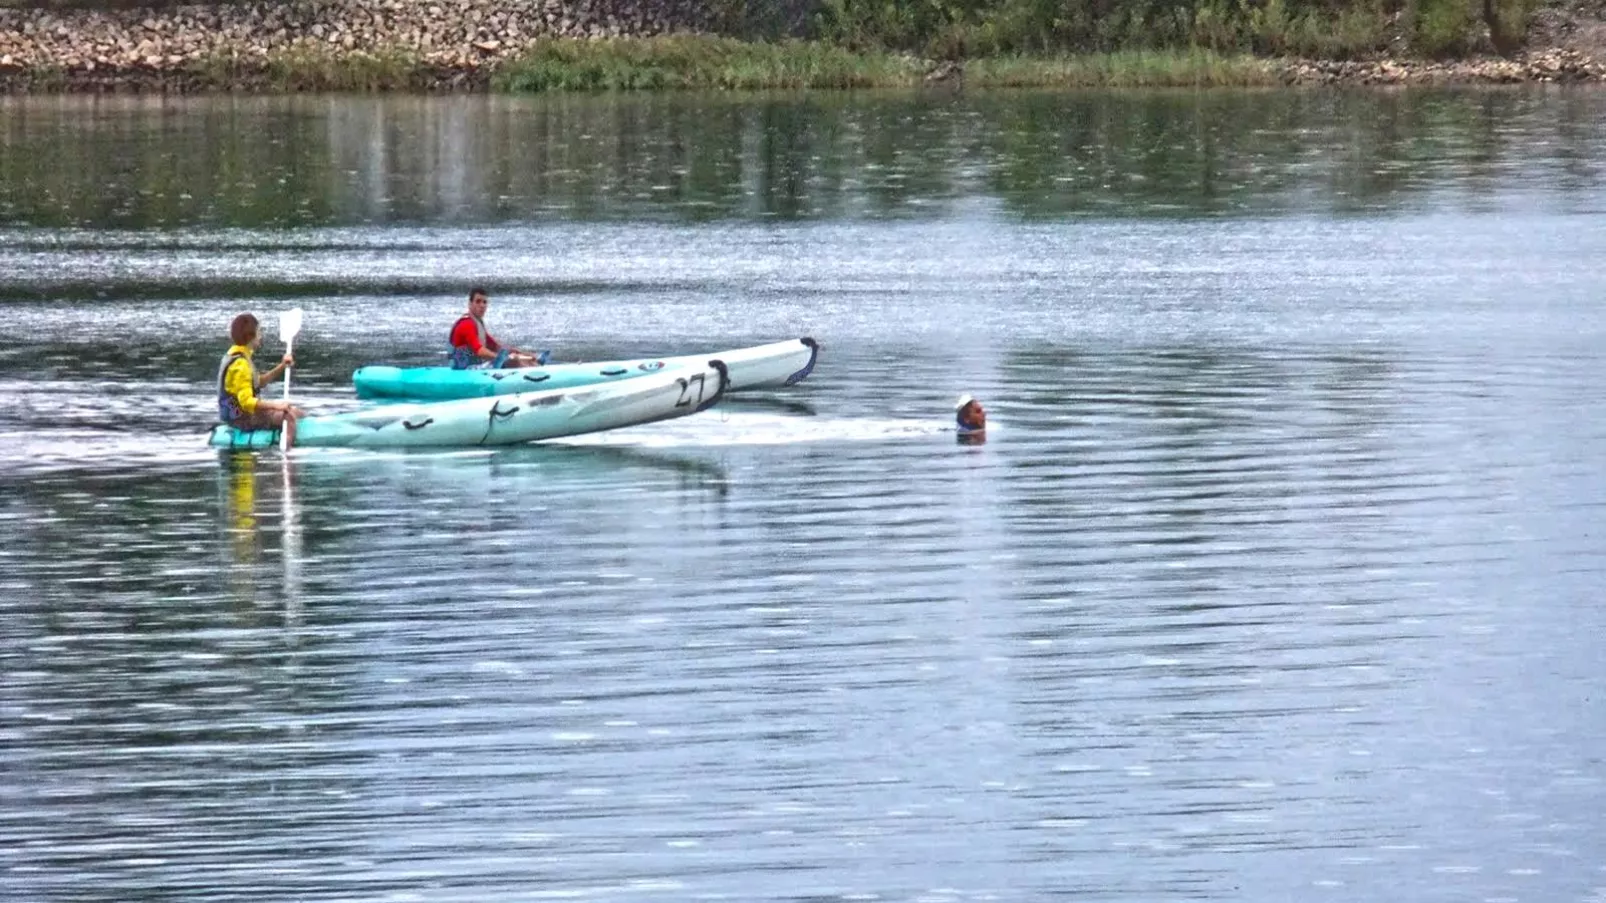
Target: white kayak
(758, 367)
(504, 419)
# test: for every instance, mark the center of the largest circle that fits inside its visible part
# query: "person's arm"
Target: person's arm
(518, 352)
(273, 374)
(265, 405)
(465, 335)
(512, 352)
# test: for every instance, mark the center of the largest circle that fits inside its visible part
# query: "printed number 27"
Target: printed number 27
(685, 391)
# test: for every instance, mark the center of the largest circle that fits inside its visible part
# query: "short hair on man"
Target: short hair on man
(243, 329)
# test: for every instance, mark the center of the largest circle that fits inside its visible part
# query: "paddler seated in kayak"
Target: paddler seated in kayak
(473, 346)
(238, 383)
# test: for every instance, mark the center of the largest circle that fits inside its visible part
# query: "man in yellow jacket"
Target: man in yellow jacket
(238, 383)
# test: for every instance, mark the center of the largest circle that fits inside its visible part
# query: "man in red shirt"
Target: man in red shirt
(473, 346)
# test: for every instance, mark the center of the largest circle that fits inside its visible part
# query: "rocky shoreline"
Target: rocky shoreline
(1549, 65)
(457, 45)
(453, 43)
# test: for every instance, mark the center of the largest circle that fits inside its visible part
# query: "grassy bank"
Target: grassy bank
(655, 64)
(309, 69)
(712, 63)
(1326, 29)
(1126, 69)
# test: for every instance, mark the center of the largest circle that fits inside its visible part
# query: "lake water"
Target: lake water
(1278, 576)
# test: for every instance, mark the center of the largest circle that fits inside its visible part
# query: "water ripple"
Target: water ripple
(1275, 577)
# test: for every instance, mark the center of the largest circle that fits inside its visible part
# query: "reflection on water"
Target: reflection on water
(257, 499)
(259, 162)
(1275, 579)
(237, 479)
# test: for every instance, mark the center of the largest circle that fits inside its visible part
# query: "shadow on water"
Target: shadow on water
(767, 403)
(519, 472)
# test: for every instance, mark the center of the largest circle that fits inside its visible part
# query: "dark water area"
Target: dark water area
(1277, 575)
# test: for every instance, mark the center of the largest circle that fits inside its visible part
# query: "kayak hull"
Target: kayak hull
(503, 419)
(758, 367)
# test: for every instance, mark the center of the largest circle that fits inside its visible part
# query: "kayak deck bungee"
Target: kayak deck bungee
(758, 367)
(503, 419)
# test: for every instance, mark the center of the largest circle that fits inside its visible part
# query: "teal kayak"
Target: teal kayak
(503, 419)
(759, 367)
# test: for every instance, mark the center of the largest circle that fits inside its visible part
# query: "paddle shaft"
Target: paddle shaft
(284, 432)
(288, 345)
(289, 327)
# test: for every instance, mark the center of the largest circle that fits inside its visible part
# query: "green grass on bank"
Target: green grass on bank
(1128, 69)
(308, 69)
(699, 62)
(712, 63)
(320, 70)
(690, 63)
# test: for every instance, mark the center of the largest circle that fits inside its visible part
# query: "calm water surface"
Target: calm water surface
(1277, 578)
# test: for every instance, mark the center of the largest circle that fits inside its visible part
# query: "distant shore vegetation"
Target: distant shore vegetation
(1320, 29)
(728, 63)
(813, 44)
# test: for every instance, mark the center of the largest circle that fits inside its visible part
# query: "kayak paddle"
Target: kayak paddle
(289, 325)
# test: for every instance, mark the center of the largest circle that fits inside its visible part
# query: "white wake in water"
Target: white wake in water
(79, 448)
(717, 428)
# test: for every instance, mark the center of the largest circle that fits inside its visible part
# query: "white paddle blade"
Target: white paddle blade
(290, 324)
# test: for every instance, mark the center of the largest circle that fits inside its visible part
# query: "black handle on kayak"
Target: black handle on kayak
(724, 383)
(814, 355)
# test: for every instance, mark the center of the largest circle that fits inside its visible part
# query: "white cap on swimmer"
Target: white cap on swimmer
(963, 400)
